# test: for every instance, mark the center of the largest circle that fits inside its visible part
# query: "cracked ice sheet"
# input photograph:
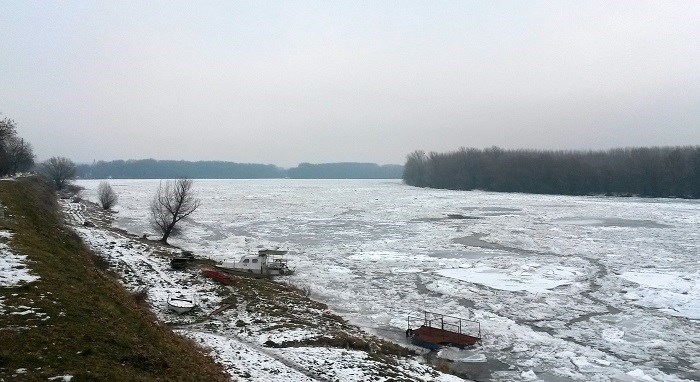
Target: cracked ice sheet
(674, 293)
(532, 278)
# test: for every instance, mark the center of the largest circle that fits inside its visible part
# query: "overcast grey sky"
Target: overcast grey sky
(371, 81)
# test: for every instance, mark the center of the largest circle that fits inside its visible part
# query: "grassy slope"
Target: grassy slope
(95, 330)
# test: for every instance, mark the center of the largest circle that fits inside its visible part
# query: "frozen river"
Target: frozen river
(565, 288)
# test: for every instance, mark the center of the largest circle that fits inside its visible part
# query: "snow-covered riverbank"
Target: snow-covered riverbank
(251, 337)
(564, 287)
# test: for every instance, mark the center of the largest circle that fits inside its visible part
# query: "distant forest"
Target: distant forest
(650, 172)
(170, 169)
(345, 171)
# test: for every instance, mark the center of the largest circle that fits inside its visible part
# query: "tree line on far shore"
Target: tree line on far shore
(170, 169)
(649, 172)
(348, 170)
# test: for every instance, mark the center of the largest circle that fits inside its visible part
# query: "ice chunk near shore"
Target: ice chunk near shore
(639, 375)
(461, 355)
(584, 366)
(529, 376)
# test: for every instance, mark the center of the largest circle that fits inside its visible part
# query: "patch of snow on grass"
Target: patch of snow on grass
(64, 378)
(244, 362)
(285, 335)
(13, 268)
(355, 366)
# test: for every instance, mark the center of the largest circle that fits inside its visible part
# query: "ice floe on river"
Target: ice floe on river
(532, 278)
(671, 292)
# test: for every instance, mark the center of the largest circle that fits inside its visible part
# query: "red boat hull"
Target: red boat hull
(218, 276)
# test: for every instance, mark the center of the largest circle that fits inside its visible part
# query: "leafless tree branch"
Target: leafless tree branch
(59, 170)
(173, 202)
(106, 195)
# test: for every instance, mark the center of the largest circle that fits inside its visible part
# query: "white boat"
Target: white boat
(266, 263)
(180, 303)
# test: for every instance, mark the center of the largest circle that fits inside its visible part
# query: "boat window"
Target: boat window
(255, 260)
(246, 261)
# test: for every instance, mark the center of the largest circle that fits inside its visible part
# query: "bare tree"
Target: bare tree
(59, 170)
(7, 129)
(16, 155)
(173, 202)
(106, 195)
(20, 155)
(416, 170)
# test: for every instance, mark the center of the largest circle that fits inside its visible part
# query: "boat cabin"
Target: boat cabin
(266, 262)
(251, 262)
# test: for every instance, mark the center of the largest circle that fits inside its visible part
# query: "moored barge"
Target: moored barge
(435, 330)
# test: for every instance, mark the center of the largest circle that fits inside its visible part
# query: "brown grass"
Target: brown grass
(294, 309)
(96, 330)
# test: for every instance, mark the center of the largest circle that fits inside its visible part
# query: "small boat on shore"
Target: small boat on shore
(435, 330)
(181, 261)
(219, 276)
(180, 303)
(266, 263)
